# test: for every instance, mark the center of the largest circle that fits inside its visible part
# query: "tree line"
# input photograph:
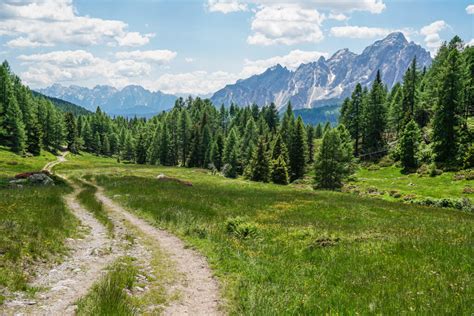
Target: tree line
(421, 120)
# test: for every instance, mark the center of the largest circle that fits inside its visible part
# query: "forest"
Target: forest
(421, 121)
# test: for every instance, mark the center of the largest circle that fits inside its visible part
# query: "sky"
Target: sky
(198, 46)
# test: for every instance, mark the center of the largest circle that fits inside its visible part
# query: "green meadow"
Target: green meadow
(292, 250)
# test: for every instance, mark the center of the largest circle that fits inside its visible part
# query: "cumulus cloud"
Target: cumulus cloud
(470, 43)
(155, 56)
(470, 9)
(286, 24)
(431, 33)
(51, 22)
(76, 66)
(358, 31)
(291, 61)
(197, 82)
(226, 6)
(338, 16)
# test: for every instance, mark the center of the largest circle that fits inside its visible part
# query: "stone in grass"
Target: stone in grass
(164, 178)
(40, 179)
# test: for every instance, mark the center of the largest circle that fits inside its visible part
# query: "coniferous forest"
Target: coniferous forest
(421, 121)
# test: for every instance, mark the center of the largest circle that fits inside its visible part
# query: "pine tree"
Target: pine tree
(128, 153)
(105, 150)
(447, 118)
(165, 147)
(298, 152)
(395, 112)
(184, 127)
(271, 117)
(153, 154)
(351, 117)
(141, 149)
(279, 149)
(332, 164)
(13, 128)
(318, 134)
(230, 156)
(97, 145)
(217, 150)
(71, 132)
(410, 97)
(310, 142)
(287, 125)
(260, 164)
(374, 118)
(280, 171)
(408, 146)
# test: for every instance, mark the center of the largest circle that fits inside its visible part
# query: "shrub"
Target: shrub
(459, 204)
(435, 171)
(386, 161)
(239, 228)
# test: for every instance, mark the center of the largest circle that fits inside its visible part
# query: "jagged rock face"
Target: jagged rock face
(128, 101)
(327, 81)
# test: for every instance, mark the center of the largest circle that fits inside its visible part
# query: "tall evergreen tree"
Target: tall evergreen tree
(374, 118)
(408, 146)
(352, 116)
(260, 164)
(71, 132)
(334, 162)
(298, 152)
(447, 118)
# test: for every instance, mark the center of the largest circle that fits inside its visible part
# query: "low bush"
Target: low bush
(238, 227)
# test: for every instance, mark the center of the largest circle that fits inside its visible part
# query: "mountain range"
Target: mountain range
(130, 101)
(324, 82)
(327, 81)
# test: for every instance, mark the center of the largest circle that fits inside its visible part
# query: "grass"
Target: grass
(12, 164)
(283, 250)
(108, 296)
(391, 178)
(34, 222)
(87, 199)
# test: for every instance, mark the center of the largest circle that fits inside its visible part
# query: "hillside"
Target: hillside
(64, 106)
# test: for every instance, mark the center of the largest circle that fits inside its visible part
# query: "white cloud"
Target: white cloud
(359, 31)
(79, 66)
(197, 82)
(470, 9)
(291, 61)
(470, 43)
(431, 33)
(286, 24)
(51, 22)
(338, 16)
(189, 59)
(155, 56)
(226, 6)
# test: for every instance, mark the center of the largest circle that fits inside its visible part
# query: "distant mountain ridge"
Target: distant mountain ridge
(326, 82)
(129, 101)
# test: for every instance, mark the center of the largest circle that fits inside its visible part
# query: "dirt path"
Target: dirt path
(70, 280)
(199, 289)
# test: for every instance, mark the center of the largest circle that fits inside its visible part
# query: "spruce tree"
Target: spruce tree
(298, 152)
(310, 142)
(141, 149)
(279, 149)
(334, 163)
(217, 150)
(165, 147)
(318, 134)
(410, 96)
(105, 150)
(447, 118)
(352, 116)
(260, 164)
(279, 171)
(375, 118)
(408, 146)
(71, 132)
(230, 156)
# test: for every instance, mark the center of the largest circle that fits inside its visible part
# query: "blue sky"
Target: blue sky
(198, 46)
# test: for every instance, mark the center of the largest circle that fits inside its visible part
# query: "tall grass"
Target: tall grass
(311, 252)
(108, 296)
(34, 222)
(87, 199)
